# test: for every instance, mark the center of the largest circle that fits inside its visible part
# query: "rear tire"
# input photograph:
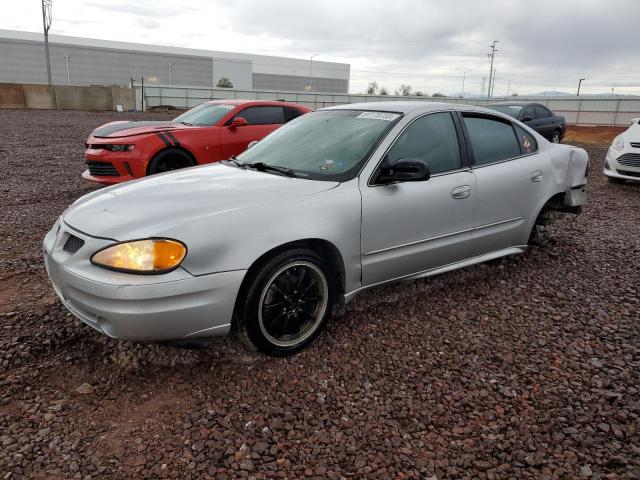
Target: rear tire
(286, 304)
(169, 160)
(615, 180)
(555, 138)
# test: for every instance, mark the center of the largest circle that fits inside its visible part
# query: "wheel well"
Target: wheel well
(181, 149)
(552, 208)
(325, 249)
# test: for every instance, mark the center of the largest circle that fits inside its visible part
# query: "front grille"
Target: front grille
(635, 144)
(629, 160)
(102, 169)
(628, 173)
(73, 244)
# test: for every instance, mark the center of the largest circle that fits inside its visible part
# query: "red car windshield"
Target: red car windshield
(205, 114)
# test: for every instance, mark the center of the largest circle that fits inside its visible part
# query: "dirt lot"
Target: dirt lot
(592, 135)
(526, 367)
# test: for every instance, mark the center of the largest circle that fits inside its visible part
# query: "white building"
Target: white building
(85, 61)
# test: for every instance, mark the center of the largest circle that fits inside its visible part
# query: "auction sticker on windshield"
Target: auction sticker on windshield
(389, 117)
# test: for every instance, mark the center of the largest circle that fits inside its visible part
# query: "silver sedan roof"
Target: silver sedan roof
(408, 106)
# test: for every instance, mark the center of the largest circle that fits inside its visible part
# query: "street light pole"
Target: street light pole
(579, 84)
(66, 57)
(310, 67)
(46, 23)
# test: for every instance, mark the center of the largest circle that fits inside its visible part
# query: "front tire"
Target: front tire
(286, 304)
(555, 138)
(169, 160)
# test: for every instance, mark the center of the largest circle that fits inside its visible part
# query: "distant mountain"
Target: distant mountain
(551, 93)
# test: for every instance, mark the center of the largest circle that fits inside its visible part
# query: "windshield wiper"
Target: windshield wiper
(187, 123)
(263, 167)
(234, 159)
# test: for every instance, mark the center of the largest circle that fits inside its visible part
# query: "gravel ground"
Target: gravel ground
(526, 367)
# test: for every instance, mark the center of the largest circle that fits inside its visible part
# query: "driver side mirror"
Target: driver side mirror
(404, 170)
(527, 119)
(238, 122)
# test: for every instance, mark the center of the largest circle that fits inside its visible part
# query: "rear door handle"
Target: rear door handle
(461, 192)
(536, 176)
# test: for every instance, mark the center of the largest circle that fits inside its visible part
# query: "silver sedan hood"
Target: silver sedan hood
(150, 206)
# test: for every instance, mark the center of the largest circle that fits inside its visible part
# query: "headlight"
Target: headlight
(156, 255)
(119, 148)
(618, 143)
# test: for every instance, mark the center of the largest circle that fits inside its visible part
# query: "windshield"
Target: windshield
(205, 114)
(324, 145)
(511, 110)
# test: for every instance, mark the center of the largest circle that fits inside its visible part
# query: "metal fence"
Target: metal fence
(585, 111)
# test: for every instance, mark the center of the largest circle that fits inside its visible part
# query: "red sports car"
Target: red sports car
(212, 131)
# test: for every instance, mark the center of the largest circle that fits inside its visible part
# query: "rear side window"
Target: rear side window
(542, 112)
(492, 140)
(290, 113)
(528, 112)
(262, 115)
(528, 144)
(431, 138)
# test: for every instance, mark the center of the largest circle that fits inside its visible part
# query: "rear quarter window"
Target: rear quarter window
(527, 142)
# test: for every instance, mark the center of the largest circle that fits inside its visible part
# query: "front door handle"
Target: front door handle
(461, 192)
(536, 176)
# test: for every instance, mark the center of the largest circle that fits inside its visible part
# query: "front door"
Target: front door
(261, 121)
(411, 227)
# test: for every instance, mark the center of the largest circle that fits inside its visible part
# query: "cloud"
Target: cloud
(544, 44)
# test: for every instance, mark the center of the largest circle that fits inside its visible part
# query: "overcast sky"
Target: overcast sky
(544, 44)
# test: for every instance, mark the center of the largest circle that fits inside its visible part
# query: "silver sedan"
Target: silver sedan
(335, 202)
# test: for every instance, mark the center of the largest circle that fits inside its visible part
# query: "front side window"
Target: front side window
(262, 115)
(324, 145)
(205, 114)
(491, 139)
(431, 138)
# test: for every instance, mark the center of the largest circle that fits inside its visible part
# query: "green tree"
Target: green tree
(405, 90)
(372, 88)
(438, 95)
(224, 82)
(419, 94)
(514, 94)
(384, 91)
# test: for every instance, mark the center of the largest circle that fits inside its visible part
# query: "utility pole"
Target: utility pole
(579, 84)
(492, 56)
(46, 23)
(508, 88)
(464, 76)
(484, 82)
(493, 82)
(310, 67)
(66, 58)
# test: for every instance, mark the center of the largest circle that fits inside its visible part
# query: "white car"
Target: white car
(623, 158)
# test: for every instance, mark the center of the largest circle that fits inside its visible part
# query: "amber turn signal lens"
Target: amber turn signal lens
(142, 256)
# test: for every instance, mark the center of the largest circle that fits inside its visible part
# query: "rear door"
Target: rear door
(544, 119)
(412, 227)
(261, 120)
(511, 181)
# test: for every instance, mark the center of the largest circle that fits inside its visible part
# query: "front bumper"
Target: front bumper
(614, 169)
(173, 306)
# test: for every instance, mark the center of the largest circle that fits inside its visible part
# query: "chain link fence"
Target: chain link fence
(585, 111)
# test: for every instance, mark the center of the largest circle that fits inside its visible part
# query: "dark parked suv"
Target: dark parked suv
(536, 116)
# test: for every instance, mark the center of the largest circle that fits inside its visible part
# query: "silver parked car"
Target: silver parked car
(334, 202)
